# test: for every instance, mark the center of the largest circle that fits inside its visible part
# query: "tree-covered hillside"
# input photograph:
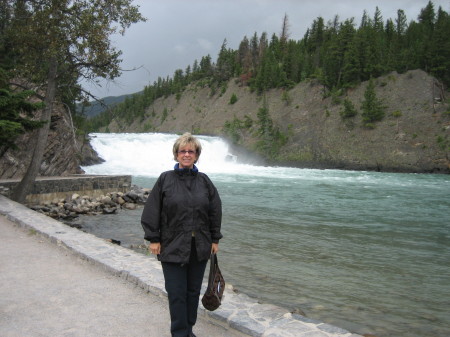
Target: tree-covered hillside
(339, 54)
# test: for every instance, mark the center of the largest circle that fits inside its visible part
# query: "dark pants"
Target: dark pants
(183, 285)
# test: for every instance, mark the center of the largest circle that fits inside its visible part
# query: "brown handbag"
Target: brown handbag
(212, 298)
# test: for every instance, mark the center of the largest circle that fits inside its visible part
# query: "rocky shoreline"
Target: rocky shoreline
(72, 206)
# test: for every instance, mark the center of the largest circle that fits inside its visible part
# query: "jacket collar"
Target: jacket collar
(183, 171)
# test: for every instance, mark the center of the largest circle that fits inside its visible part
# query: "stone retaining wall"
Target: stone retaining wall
(46, 189)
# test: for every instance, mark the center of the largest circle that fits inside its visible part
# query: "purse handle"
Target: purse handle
(212, 267)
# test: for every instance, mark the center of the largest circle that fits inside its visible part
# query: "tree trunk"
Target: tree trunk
(27, 182)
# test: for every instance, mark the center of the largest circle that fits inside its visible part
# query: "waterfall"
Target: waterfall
(149, 154)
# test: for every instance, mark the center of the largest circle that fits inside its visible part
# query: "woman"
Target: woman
(182, 219)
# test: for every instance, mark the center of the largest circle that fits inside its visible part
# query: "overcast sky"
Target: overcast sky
(177, 32)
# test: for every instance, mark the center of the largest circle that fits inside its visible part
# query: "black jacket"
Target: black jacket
(181, 203)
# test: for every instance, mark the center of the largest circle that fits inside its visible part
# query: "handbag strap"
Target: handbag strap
(212, 268)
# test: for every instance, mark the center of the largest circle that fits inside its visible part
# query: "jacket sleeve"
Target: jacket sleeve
(215, 212)
(151, 215)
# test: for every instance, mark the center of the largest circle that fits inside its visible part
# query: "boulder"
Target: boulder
(105, 200)
(109, 210)
(130, 206)
(132, 195)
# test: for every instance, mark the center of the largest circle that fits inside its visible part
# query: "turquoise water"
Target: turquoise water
(366, 251)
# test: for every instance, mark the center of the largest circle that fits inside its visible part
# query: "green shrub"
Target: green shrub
(164, 115)
(397, 114)
(349, 109)
(392, 78)
(233, 99)
(148, 127)
(336, 96)
(369, 125)
(232, 129)
(248, 122)
(285, 97)
(223, 89)
(441, 142)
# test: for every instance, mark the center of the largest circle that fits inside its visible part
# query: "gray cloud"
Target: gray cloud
(179, 31)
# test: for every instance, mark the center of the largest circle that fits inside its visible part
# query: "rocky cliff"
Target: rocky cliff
(412, 137)
(64, 154)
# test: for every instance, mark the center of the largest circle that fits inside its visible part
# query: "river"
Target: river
(366, 251)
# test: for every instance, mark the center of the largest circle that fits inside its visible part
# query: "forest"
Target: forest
(338, 54)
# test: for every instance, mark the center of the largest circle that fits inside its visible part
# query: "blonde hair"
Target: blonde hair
(187, 139)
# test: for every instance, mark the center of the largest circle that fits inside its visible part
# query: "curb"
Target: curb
(238, 311)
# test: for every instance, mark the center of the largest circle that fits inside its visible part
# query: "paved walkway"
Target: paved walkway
(48, 291)
(59, 281)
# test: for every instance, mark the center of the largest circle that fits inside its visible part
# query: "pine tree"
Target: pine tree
(440, 48)
(223, 69)
(397, 53)
(15, 113)
(349, 109)
(245, 56)
(351, 72)
(206, 66)
(372, 107)
(427, 19)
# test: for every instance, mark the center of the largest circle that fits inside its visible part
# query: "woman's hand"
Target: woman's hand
(215, 248)
(154, 248)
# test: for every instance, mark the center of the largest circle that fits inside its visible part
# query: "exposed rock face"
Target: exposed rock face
(88, 154)
(414, 136)
(64, 152)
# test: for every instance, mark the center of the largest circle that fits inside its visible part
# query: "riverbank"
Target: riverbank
(238, 311)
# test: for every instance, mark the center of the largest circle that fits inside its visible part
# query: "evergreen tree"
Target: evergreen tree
(351, 72)
(178, 81)
(206, 68)
(225, 63)
(372, 107)
(188, 74)
(245, 56)
(263, 44)
(315, 42)
(440, 48)
(284, 36)
(401, 24)
(15, 113)
(396, 49)
(427, 18)
(255, 51)
(293, 62)
(349, 109)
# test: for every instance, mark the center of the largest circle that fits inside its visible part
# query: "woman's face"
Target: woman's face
(186, 156)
